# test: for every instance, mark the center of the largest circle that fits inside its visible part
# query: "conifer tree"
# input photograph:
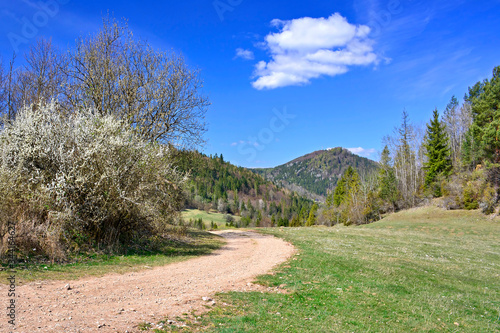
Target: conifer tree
(437, 152)
(312, 216)
(485, 101)
(388, 184)
(349, 180)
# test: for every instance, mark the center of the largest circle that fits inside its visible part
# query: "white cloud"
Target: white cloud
(362, 151)
(244, 54)
(307, 48)
(243, 142)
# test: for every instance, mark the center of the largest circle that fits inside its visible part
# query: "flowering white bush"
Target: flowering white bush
(82, 179)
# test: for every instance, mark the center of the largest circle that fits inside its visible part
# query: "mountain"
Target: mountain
(314, 174)
(219, 185)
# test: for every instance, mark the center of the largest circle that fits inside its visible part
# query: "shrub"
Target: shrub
(470, 197)
(245, 221)
(199, 224)
(488, 200)
(453, 192)
(213, 225)
(71, 181)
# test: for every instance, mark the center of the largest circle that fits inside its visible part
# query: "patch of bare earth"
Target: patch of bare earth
(118, 303)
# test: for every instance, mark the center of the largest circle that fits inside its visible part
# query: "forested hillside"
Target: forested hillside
(219, 185)
(319, 171)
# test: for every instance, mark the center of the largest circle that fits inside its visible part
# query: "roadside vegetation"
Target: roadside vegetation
(421, 270)
(87, 139)
(181, 244)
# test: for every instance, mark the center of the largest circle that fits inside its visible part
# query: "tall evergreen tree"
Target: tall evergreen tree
(312, 216)
(388, 184)
(485, 101)
(437, 152)
(349, 180)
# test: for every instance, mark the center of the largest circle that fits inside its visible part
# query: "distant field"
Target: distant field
(424, 270)
(207, 217)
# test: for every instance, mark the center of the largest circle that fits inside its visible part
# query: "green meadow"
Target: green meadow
(207, 217)
(422, 270)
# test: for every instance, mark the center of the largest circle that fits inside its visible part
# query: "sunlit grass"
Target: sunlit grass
(424, 270)
(207, 217)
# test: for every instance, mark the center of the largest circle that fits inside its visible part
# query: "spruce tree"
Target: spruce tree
(312, 216)
(349, 180)
(388, 183)
(485, 101)
(437, 151)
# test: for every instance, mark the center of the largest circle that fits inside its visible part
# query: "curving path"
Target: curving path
(117, 303)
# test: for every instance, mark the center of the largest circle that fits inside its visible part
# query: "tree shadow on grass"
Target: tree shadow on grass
(155, 251)
(195, 243)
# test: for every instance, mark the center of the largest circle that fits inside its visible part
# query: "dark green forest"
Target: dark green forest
(219, 185)
(319, 171)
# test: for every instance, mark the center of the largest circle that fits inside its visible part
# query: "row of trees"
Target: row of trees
(456, 157)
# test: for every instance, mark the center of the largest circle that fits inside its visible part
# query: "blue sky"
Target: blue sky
(286, 78)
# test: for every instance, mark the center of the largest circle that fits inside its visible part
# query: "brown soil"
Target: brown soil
(118, 303)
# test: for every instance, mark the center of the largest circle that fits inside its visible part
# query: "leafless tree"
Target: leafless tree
(451, 120)
(3, 91)
(40, 80)
(113, 73)
(406, 148)
(8, 92)
(458, 119)
(154, 91)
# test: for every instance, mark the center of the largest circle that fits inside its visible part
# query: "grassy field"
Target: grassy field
(207, 217)
(424, 270)
(194, 243)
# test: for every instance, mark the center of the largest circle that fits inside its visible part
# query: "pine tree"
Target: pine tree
(349, 180)
(302, 215)
(485, 101)
(388, 184)
(339, 201)
(437, 151)
(312, 216)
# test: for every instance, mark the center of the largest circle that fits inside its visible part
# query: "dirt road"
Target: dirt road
(117, 303)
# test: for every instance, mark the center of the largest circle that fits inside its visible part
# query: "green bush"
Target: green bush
(213, 225)
(470, 197)
(199, 224)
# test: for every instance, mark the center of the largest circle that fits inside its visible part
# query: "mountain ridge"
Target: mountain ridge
(316, 173)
